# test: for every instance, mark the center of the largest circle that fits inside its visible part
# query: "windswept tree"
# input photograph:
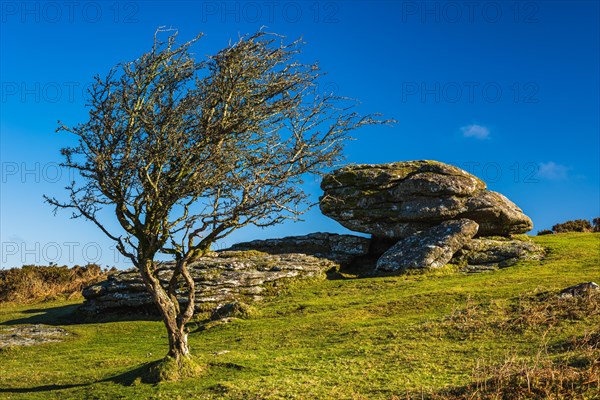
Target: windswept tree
(184, 152)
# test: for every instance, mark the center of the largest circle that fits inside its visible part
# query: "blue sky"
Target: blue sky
(506, 90)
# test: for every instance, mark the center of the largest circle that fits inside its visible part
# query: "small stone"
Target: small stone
(29, 335)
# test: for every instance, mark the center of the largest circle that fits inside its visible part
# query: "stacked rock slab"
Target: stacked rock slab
(219, 278)
(431, 210)
(342, 249)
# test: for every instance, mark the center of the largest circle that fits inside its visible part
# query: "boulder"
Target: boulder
(396, 200)
(342, 249)
(220, 278)
(485, 254)
(431, 248)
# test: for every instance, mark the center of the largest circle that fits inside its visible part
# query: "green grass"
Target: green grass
(390, 337)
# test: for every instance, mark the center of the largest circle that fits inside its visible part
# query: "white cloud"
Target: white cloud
(475, 131)
(553, 171)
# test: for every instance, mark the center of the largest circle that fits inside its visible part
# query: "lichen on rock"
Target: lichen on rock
(341, 249)
(481, 254)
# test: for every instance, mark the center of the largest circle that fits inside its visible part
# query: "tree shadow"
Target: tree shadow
(140, 374)
(134, 376)
(43, 388)
(71, 315)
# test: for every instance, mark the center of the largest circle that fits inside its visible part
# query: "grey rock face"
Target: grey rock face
(341, 249)
(219, 277)
(432, 248)
(396, 200)
(488, 254)
(496, 215)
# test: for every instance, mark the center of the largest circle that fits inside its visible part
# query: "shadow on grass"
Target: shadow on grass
(137, 375)
(70, 315)
(134, 376)
(44, 388)
(362, 267)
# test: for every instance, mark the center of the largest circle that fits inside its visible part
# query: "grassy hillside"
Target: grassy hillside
(438, 335)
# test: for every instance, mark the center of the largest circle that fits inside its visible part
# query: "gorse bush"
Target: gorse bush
(34, 283)
(545, 232)
(576, 225)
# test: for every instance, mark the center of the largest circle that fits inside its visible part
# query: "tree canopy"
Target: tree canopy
(186, 151)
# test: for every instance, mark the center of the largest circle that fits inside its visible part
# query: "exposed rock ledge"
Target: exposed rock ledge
(342, 249)
(30, 335)
(219, 277)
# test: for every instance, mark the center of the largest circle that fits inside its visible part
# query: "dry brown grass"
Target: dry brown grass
(32, 283)
(548, 309)
(570, 370)
(475, 318)
(532, 311)
(573, 373)
(540, 378)
(590, 340)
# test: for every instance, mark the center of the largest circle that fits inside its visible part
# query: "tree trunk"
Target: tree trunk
(178, 345)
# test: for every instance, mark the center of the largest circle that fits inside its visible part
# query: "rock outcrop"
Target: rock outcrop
(421, 215)
(431, 248)
(396, 200)
(219, 277)
(417, 205)
(342, 249)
